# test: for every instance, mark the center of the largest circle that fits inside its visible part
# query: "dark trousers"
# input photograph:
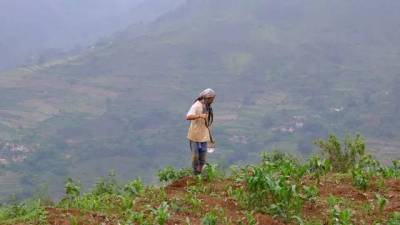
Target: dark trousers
(199, 156)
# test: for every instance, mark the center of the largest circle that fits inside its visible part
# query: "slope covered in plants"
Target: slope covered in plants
(280, 189)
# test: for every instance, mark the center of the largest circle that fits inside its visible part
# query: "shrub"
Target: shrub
(72, 189)
(342, 156)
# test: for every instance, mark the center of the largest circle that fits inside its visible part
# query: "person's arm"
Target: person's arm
(195, 117)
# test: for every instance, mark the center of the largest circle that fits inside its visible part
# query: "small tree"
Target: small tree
(342, 156)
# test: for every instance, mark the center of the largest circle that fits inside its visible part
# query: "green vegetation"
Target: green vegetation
(394, 219)
(32, 210)
(342, 156)
(357, 190)
(169, 174)
(210, 219)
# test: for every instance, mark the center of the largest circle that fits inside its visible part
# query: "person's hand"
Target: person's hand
(203, 116)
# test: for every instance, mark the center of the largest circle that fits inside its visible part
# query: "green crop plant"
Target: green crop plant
(360, 178)
(370, 165)
(210, 172)
(107, 185)
(381, 201)
(134, 188)
(195, 189)
(73, 220)
(72, 189)
(72, 193)
(239, 195)
(137, 218)
(392, 171)
(380, 183)
(272, 192)
(169, 174)
(367, 208)
(250, 219)
(193, 201)
(276, 157)
(31, 211)
(318, 167)
(161, 213)
(298, 220)
(210, 218)
(179, 205)
(310, 193)
(274, 186)
(155, 195)
(394, 219)
(336, 215)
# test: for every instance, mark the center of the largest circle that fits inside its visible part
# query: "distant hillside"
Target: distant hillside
(285, 73)
(34, 31)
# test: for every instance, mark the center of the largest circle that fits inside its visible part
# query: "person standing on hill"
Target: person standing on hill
(201, 117)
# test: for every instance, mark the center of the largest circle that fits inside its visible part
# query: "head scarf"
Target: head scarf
(207, 93)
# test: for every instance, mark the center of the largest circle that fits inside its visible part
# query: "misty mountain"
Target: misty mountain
(285, 72)
(30, 31)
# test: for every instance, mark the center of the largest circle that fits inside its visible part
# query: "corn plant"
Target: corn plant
(88, 201)
(272, 192)
(250, 218)
(318, 167)
(210, 172)
(72, 189)
(210, 218)
(134, 188)
(31, 211)
(107, 185)
(360, 178)
(370, 165)
(336, 215)
(72, 194)
(310, 193)
(137, 218)
(381, 201)
(392, 171)
(73, 220)
(169, 174)
(394, 219)
(274, 186)
(239, 195)
(162, 214)
(193, 201)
